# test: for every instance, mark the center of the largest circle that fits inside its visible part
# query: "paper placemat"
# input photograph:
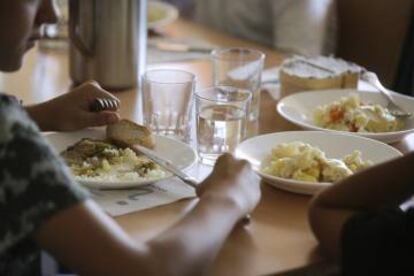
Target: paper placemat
(121, 202)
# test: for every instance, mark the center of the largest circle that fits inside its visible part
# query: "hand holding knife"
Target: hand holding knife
(167, 165)
(105, 104)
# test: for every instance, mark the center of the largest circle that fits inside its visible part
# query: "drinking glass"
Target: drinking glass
(241, 68)
(221, 113)
(167, 102)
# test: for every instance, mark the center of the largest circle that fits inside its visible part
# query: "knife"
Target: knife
(166, 164)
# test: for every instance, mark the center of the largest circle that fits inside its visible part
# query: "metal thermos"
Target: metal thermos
(108, 41)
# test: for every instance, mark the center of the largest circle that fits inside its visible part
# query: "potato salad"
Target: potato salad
(301, 161)
(350, 114)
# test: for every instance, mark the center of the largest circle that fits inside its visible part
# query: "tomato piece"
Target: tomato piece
(336, 114)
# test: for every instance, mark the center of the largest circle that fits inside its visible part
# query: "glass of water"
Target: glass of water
(241, 68)
(167, 102)
(221, 113)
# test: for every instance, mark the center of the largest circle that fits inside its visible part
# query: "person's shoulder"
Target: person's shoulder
(13, 119)
(378, 243)
(378, 219)
(409, 213)
(5, 98)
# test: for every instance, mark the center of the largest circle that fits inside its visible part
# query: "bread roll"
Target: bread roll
(130, 133)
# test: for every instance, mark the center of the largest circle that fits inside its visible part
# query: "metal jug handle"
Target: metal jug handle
(73, 29)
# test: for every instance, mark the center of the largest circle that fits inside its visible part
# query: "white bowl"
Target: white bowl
(182, 155)
(161, 14)
(336, 145)
(299, 108)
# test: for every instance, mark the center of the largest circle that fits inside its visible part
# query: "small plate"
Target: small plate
(336, 145)
(180, 154)
(160, 14)
(298, 109)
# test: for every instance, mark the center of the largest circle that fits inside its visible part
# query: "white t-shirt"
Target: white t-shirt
(303, 26)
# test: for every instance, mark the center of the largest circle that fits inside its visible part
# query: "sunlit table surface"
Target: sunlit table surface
(278, 239)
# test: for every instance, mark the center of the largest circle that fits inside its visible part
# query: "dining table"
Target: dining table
(278, 239)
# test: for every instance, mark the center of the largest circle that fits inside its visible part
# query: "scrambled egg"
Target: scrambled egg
(350, 114)
(304, 162)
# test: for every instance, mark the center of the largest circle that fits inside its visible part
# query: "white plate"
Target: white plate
(257, 149)
(180, 154)
(298, 109)
(160, 14)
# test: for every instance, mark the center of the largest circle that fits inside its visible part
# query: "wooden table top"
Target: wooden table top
(279, 237)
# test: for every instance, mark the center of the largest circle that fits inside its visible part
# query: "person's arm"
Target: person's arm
(86, 240)
(71, 110)
(373, 189)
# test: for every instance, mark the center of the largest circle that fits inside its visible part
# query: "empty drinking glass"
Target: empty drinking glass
(167, 101)
(221, 120)
(241, 68)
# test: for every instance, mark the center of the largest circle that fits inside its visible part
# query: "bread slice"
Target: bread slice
(305, 74)
(130, 133)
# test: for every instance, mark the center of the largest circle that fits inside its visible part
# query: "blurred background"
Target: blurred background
(377, 34)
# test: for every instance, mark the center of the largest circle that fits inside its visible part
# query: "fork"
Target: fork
(394, 109)
(100, 104)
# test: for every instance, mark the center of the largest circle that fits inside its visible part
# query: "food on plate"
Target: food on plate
(99, 160)
(301, 161)
(155, 13)
(315, 73)
(160, 13)
(130, 133)
(351, 114)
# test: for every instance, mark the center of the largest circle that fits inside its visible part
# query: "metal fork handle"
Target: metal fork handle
(101, 104)
(373, 80)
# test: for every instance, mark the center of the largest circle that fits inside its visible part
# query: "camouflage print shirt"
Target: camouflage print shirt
(34, 185)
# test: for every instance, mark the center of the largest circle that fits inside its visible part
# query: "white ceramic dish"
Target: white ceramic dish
(160, 14)
(180, 154)
(336, 145)
(298, 109)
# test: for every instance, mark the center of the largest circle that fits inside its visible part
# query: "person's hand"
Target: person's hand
(71, 110)
(232, 179)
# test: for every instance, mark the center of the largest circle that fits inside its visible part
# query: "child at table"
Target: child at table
(359, 220)
(42, 208)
